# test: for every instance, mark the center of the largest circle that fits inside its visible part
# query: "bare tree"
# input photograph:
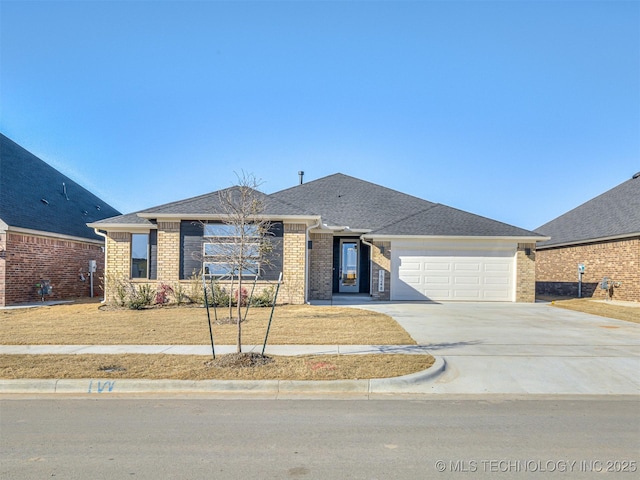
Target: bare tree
(236, 247)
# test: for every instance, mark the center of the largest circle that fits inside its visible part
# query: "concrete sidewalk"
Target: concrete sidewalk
(205, 350)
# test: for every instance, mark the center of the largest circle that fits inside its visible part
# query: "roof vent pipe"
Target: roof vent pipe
(301, 175)
(636, 175)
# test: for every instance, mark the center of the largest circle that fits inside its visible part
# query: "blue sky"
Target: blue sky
(518, 111)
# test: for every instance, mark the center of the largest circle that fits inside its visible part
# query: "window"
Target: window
(225, 251)
(139, 255)
(224, 230)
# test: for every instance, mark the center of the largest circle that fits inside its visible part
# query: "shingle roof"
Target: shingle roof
(441, 220)
(614, 213)
(209, 204)
(350, 202)
(344, 201)
(32, 196)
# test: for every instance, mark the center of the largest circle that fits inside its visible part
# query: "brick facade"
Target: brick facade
(526, 273)
(381, 261)
(3, 257)
(293, 263)
(27, 258)
(619, 260)
(321, 266)
(294, 257)
(169, 251)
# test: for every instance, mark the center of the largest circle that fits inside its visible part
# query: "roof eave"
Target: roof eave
(519, 239)
(589, 240)
(308, 219)
(42, 233)
(122, 227)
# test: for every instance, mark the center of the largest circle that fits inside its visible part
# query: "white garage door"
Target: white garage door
(469, 275)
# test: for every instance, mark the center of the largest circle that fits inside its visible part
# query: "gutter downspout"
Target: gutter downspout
(306, 259)
(104, 281)
(371, 246)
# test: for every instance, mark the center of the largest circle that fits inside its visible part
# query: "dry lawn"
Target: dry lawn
(604, 309)
(88, 324)
(192, 367)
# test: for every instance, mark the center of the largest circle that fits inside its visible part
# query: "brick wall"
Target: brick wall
(321, 266)
(30, 258)
(169, 251)
(293, 262)
(526, 273)
(381, 261)
(557, 269)
(3, 255)
(118, 260)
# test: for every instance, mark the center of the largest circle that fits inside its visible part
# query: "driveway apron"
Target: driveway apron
(522, 348)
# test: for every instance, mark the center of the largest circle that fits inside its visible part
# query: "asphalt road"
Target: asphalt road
(196, 438)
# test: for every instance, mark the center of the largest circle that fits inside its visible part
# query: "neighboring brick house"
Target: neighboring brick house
(602, 234)
(338, 234)
(43, 231)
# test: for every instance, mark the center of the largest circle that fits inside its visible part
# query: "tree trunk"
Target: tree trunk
(239, 319)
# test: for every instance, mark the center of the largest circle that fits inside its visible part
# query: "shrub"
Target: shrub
(264, 298)
(163, 294)
(140, 297)
(219, 296)
(180, 294)
(243, 297)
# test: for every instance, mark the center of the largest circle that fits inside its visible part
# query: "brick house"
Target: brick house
(337, 234)
(602, 234)
(43, 229)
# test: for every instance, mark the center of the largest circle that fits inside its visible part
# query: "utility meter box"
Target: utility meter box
(605, 283)
(93, 266)
(581, 268)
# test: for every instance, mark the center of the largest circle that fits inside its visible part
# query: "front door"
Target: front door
(349, 271)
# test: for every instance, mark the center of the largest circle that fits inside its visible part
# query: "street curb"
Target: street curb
(404, 384)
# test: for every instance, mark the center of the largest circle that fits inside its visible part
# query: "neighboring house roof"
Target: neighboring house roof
(345, 202)
(35, 196)
(614, 214)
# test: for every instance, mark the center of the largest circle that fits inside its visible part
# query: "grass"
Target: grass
(88, 324)
(604, 309)
(192, 367)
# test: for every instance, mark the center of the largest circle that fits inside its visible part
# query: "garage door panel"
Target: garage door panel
(439, 266)
(432, 279)
(467, 267)
(497, 267)
(496, 281)
(457, 275)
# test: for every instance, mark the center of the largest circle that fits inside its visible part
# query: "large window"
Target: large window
(226, 252)
(140, 255)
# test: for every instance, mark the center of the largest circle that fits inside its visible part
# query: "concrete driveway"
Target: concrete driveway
(522, 348)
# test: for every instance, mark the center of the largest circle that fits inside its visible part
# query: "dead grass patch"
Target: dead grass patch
(604, 309)
(195, 367)
(87, 324)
